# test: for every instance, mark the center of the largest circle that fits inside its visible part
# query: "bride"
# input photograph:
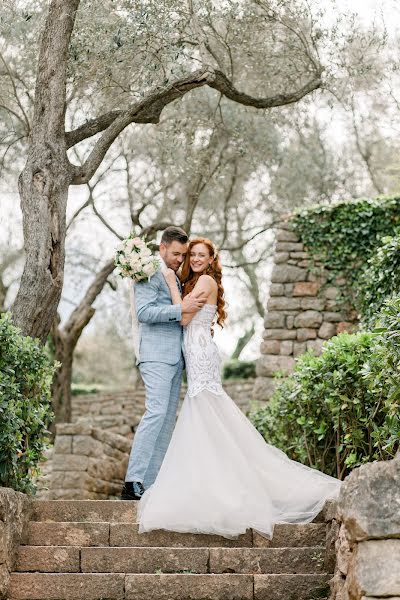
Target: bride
(219, 476)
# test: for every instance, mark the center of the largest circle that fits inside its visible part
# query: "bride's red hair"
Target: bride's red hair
(189, 278)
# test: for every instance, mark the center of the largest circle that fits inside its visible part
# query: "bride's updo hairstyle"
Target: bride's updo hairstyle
(189, 278)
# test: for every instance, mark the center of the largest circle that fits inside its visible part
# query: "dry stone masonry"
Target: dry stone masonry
(15, 510)
(303, 310)
(90, 455)
(92, 550)
(368, 540)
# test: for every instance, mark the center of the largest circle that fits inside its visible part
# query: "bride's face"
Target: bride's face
(200, 258)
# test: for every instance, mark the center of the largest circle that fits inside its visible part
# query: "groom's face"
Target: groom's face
(174, 254)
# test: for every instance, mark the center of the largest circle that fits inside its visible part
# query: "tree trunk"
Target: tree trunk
(44, 182)
(242, 342)
(61, 387)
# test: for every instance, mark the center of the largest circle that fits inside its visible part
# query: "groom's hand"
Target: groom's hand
(193, 303)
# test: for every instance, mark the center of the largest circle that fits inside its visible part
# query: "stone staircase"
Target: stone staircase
(89, 550)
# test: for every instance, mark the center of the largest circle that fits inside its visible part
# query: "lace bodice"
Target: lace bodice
(201, 353)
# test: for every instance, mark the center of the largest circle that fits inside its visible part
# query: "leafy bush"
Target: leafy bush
(380, 280)
(25, 378)
(239, 369)
(340, 409)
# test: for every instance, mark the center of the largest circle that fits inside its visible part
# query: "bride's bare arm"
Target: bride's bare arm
(205, 285)
(191, 304)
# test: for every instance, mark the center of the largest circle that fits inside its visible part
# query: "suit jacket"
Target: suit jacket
(161, 333)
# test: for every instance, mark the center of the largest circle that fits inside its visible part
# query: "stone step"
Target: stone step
(70, 559)
(118, 586)
(109, 511)
(126, 534)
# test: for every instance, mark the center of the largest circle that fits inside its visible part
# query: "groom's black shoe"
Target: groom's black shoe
(132, 490)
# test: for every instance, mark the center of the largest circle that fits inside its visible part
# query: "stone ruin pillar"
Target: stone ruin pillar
(303, 310)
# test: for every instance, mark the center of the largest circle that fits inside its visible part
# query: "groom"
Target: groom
(160, 363)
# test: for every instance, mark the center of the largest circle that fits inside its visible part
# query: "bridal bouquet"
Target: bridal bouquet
(135, 260)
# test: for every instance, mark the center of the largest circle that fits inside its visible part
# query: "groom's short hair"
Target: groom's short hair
(174, 234)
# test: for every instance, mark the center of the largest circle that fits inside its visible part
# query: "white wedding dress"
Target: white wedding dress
(219, 476)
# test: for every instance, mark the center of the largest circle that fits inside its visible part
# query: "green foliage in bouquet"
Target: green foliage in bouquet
(239, 369)
(341, 409)
(26, 373)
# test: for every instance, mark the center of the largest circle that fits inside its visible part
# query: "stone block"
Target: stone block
(292, 536)
(86, 446)
(316, 346)
(346, 326)
(267, 366)
(70, 462)
(288, 289)
(123, 534)
(114, 440)
(73, 429)
(290, 321)
(369, 501)
(276, 289)
(274, 320)
(376, 569)
(144, 560)
(287, 274)
(331, 292)
(48, 559)
(313, 304)
(299, 255)
(68, 586)
(270, 347)
(291, 587)
(289, 247)
(266, 560)
(279, 334)
(286, 347)
(308, 318)
(68, 534)
(306, 288)
(304, 334)
(63, 444)
(332, 317)
(189, 587)
(281, 257)
(120, 511)
(327, 330)
(299, 348)
(282, 303)
(284, 235)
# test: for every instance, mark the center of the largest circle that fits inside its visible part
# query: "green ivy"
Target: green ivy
(26, 373)
(341, 409)
(344, 236)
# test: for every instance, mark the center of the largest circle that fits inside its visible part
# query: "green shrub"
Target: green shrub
(382, 374)
(239, 369)
(380, 279)
(25, 378)
(335, 411)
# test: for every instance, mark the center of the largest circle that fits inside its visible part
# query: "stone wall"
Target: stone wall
(15, 510)
(303, 310)
(368, 536)
(121, 411)
(90, 455)
(87, 463)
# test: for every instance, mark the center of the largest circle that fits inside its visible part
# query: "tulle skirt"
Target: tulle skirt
(219, 476)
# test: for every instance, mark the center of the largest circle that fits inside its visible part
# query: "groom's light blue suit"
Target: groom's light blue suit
(161, 364)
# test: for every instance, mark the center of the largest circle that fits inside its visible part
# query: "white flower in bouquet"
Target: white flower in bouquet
(135, 260)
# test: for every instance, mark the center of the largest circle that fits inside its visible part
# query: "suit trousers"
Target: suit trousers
(162, 384)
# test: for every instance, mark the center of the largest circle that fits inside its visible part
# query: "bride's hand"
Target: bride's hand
(169, 275)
